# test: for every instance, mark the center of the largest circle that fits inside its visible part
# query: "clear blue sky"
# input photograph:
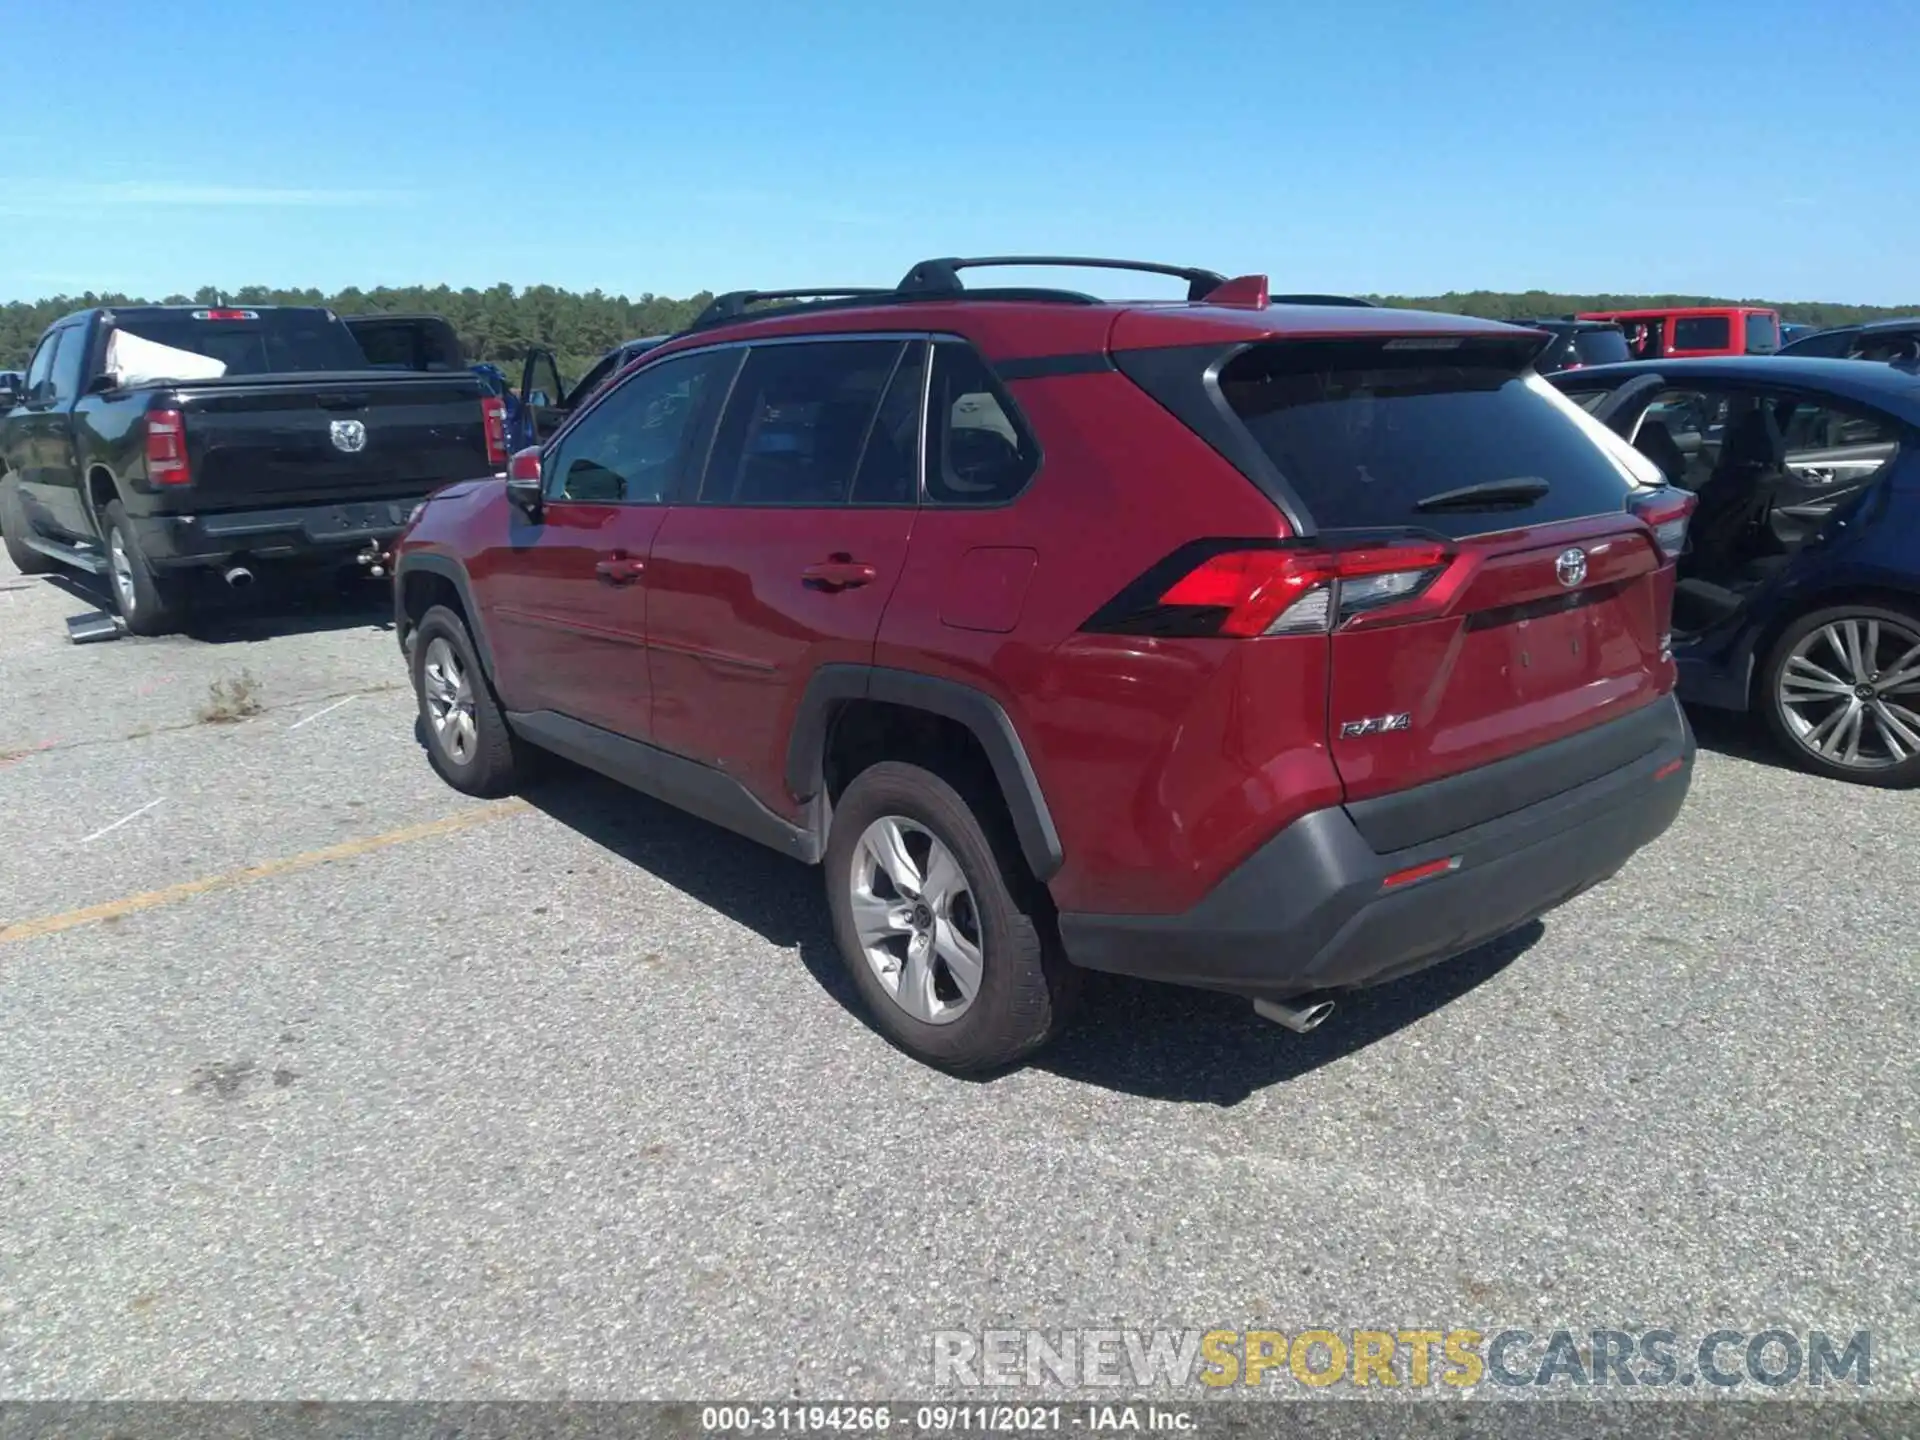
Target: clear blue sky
(1737, 147)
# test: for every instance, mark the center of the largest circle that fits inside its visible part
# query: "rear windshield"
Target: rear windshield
(1600, 347)
(1763, 335)
(1363, 434)
(1700, 332)
(270, 342)
(407, 345)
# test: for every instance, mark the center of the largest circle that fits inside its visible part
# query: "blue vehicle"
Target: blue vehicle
(1896, 339)
(1799, 593)
(545, 400)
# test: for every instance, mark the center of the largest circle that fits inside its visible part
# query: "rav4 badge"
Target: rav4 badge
(1375, 725)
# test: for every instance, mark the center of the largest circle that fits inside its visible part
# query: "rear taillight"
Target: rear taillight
(167, 448)
(1264, 589)
(493, 419)
(1666, 512)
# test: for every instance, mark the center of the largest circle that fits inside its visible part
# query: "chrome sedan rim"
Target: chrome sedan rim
(1850, 693)
(449, 696)
(914, 914)
(122, 568)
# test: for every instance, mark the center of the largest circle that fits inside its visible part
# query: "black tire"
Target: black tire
(1026, 987)
(492, 764)
(13, 531)
(1893, 776)
(153, 607)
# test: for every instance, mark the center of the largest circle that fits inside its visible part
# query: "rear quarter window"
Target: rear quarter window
(1364, 434)
(1763, 335)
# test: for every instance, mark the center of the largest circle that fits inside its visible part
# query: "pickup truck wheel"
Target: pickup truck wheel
(468, 740)
(146, 603)
(13, 531)
(941, 930)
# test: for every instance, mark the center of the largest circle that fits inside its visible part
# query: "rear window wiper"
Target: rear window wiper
(1488, 495)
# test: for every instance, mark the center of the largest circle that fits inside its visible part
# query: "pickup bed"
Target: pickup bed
(156, 440)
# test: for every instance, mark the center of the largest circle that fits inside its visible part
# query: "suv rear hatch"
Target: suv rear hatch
(1481, 556)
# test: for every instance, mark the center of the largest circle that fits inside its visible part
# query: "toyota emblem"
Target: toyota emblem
(1571, 568)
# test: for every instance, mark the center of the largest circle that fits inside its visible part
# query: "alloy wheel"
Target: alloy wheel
(121, 566)
(446, 688)
(1850, 693)
(914, 914)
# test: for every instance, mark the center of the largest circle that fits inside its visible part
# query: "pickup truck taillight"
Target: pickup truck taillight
(167, 448)
(493, 419)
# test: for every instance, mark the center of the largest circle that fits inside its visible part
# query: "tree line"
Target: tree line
(501, 323)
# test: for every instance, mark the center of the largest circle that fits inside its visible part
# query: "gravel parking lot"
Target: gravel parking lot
(319, 1079)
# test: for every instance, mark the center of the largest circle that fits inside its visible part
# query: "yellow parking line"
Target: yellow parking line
(186, 890)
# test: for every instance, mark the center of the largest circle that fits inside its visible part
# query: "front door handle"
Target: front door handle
(620, 569)
(842, 572)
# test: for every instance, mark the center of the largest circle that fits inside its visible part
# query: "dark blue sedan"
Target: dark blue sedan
(1799, 593)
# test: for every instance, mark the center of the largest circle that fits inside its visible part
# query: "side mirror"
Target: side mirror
(524, 485)
(9, 397)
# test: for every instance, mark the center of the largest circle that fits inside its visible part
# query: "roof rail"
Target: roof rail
(733, 304)
(942, 277)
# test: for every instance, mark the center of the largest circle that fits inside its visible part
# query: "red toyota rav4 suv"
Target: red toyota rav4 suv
(1278, 649)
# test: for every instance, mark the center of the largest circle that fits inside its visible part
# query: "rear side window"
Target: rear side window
(797, 422)
(1701, 332)
(978, 451)
(269, 342)
(66, 364)
(1364, 434)
(1763, 335)
(1600, 347)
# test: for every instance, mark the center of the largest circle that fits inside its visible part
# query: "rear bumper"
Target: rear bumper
(288, 533)
(1312, 909)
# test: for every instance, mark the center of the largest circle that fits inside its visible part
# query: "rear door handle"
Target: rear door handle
(842, 572)
(620, 569)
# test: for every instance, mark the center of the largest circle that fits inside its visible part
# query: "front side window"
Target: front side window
(978, 452)
(40, 369)
(1887, 345)
(797, 422)
(632, 448)
(1702, 332)
(67, 363)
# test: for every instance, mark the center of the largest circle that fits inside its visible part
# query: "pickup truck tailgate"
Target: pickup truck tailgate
(306, 438)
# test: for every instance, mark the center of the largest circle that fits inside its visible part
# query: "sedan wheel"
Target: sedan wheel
(1848, 692)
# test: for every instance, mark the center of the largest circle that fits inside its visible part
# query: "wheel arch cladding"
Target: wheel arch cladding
(442, 569)
(833, 685)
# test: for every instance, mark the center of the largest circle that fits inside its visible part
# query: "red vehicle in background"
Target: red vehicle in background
(1688, 330)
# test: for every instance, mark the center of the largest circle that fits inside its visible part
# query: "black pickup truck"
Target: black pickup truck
(153, 441)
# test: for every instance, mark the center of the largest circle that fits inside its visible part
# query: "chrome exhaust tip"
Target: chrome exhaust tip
(238, 576)
(1299, 1018)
